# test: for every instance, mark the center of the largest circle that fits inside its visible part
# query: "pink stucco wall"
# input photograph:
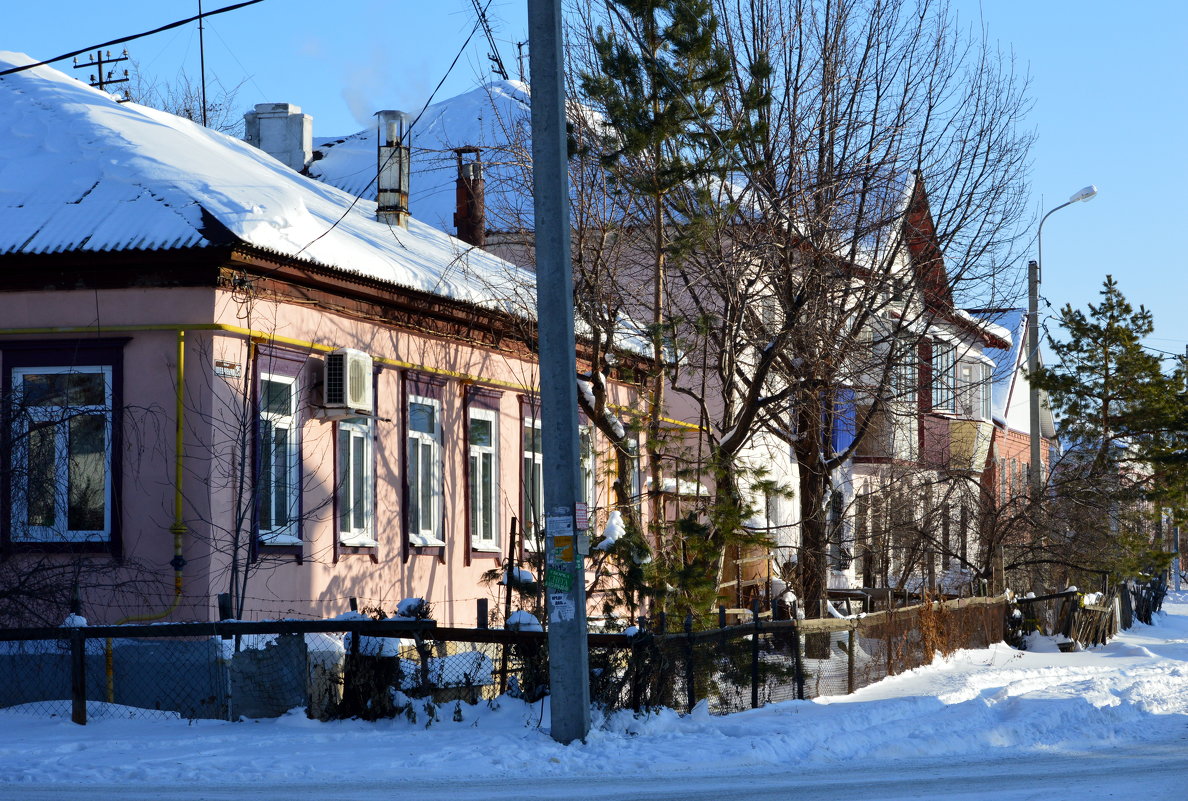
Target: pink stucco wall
(325, 577)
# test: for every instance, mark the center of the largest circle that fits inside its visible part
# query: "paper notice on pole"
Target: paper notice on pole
(561, 607)
(559, 525)
(559, 580)
(559, 534)
(562, 550)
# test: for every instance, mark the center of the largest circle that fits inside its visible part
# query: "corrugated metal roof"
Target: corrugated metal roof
(80, 172)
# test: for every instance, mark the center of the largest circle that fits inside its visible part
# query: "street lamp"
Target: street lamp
(1033, 281)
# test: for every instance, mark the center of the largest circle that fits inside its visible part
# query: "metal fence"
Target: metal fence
(1070, 616)
(749, 665)
(374, 669)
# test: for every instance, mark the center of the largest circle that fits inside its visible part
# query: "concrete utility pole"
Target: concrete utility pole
(1036, 474)
(1033, 340)
(565, 545)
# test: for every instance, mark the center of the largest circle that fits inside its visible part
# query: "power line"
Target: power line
(123, 39)
(412, 125)
(494, 57)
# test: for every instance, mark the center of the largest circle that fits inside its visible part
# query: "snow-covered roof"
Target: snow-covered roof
(494, 117)
(81, 172)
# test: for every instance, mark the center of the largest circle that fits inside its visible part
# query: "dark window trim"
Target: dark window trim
(483, 398)
(529, 406)
(427, 385)
(54, 353)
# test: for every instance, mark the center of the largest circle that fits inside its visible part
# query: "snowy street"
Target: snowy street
(1111, 722)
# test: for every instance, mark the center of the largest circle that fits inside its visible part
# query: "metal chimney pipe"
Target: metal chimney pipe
(470, 215)
(392, 175)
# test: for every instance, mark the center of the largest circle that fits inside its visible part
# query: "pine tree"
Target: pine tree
(658, 73)
(1111, 394)
(1117, 413)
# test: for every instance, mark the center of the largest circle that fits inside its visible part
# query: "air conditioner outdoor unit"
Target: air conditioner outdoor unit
(347, 386)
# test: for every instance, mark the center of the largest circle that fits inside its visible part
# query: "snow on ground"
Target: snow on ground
(993, 706)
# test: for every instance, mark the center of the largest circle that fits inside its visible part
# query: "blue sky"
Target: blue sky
(1110, 89)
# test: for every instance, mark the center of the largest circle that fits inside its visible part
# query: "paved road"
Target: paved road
(1150, 772)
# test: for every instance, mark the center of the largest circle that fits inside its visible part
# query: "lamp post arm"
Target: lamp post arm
(1039, 237)
(1033, 347)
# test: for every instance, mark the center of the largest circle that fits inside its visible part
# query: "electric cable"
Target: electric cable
(123, 39)
(408, 134)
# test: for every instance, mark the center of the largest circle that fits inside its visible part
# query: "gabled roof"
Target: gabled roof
(80, 172)
(928, 262)
(928, 268)
(1007, 361)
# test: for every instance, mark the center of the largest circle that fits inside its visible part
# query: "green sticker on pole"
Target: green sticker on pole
(559, 580)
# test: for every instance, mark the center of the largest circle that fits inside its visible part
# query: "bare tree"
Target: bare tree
(183, 96)
(878, 188)
(59, 555)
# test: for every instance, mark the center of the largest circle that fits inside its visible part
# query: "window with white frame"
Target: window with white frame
(636, 470)
(532, 479)
(354, 471)
(588, 484)
(61, 481)
(987, 391)
(969, 389)
(424, 471)
(278, 490)
(943, 366)
(482, 443)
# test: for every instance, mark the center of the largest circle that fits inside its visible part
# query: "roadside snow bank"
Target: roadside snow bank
(994, 701)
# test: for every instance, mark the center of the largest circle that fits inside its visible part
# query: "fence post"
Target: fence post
(797, 659)
(78, 677)
(663, 624)
(690, 689)
(850, 659)
(755, 656)
(481, 614)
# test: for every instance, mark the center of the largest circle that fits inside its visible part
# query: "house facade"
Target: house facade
(233, 390)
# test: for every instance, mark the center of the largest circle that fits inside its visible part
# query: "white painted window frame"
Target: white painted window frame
(481, 513)
(360, 433)
(289, 532)
(421, 534)
(58, 416)
(532, 486)
(588, 466)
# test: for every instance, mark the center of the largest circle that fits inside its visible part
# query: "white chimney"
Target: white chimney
(393, 163)
(281, 131)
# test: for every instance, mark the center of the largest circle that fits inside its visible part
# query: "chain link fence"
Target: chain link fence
(371, 669)
(740, 667)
